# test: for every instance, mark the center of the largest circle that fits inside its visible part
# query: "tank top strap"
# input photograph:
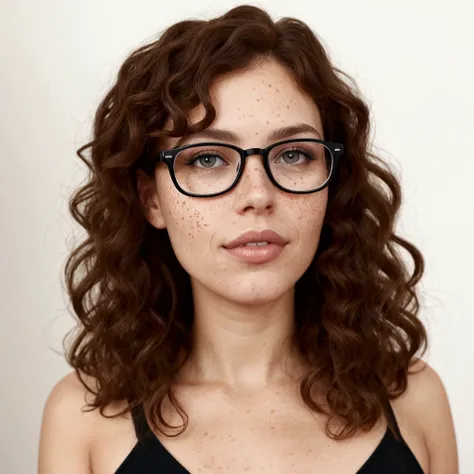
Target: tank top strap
(392, 419)
(142, 429)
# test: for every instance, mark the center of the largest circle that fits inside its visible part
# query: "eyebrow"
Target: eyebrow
(228, 136)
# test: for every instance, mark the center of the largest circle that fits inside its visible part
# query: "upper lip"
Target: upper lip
(266, 235)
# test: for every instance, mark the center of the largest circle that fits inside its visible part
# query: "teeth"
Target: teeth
(255, 244)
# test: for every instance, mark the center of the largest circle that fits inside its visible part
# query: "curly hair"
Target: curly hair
(356, 306)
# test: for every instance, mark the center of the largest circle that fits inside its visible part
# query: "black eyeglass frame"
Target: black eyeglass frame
(168, 157)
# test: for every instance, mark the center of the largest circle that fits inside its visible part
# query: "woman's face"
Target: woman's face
(251, 105)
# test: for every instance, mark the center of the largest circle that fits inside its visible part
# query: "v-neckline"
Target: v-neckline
(180, 469)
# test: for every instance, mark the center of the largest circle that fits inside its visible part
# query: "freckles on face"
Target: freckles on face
(250, 105)
(305, 214)
(181, 213)
(311, 210)
(190, 222)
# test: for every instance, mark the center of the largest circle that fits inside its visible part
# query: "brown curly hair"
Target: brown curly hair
(356, 305)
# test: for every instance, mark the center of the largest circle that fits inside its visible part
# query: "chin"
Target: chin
(256, 289)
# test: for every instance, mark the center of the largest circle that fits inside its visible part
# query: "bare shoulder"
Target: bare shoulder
(66, 430)
(426, 404)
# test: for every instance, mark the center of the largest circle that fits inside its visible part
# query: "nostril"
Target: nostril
(256, 207)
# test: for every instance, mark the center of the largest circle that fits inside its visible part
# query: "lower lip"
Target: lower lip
(256, 254)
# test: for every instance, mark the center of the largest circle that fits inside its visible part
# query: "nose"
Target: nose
(255, 192)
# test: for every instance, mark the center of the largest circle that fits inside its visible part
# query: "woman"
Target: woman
(242, 303)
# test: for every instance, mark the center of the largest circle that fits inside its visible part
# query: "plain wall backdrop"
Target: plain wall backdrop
(411, 59)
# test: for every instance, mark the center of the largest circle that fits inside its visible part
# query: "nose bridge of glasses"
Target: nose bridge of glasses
(251, 152)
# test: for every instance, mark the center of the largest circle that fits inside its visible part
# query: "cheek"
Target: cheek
(307, 212)
(187, 219)
(191, 225)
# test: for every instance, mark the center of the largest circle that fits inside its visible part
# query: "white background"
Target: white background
(412, 60)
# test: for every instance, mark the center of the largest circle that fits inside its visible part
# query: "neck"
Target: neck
(242, 347)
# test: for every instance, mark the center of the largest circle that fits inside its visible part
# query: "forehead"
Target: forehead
(254, 102)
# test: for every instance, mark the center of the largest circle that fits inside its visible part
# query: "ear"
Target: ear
(148, 197)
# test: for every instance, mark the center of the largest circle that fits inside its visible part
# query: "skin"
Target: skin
(243, 312)
(242, 371)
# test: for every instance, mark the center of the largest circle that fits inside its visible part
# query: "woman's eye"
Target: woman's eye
(208, 161)
(293, 156)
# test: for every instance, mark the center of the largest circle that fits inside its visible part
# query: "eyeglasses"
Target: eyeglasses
(298, 166)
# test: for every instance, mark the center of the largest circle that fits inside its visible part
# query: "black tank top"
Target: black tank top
(149, 456)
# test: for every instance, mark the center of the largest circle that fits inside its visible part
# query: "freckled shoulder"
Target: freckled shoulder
(424, 415)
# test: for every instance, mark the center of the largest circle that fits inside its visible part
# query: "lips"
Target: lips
(257, 237)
